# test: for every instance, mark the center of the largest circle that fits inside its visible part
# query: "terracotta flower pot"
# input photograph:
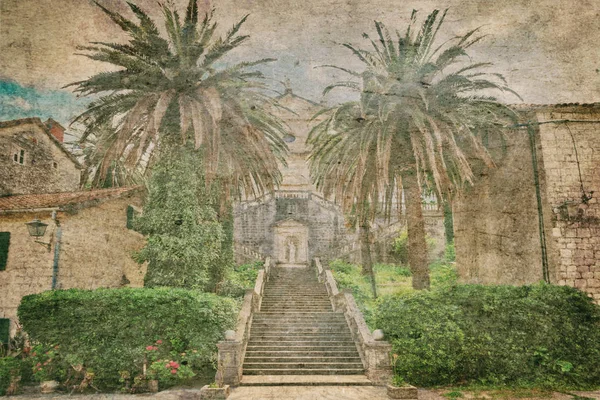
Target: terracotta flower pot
(208, 393)
(402, 392)
(48, 386)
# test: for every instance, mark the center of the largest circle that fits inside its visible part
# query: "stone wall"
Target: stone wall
(496, 221)
(254, 222)
(45, 168)
(496, 233)
(95, 252)
(570, 150)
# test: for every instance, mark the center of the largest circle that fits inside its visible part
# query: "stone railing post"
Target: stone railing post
(378, 359)
(230, 358)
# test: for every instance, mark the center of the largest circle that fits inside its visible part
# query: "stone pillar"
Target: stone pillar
(229, 370)
(378, 360)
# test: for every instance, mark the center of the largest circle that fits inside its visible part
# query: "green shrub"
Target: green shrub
(400, 247)
(108, 330)
(242, 278)
(539, 335)
(9, 367)
(442, 276)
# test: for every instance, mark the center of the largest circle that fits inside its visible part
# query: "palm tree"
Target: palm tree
(423, 117)
(170, 90)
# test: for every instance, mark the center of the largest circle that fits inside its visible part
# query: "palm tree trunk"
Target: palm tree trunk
(365, 255)
(417, 246)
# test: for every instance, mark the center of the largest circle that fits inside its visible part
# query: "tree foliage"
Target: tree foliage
(221, 110)
(423, 116)
(184, 241)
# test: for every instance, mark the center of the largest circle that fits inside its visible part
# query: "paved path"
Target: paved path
(309, 393)
(288, 393)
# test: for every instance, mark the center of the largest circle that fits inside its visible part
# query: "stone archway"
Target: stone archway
(291, 242)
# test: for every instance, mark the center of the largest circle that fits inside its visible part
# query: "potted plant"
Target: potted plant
(46, 367)
(214, 392)
(399, 388)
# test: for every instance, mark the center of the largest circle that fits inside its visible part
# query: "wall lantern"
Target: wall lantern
(37, 229)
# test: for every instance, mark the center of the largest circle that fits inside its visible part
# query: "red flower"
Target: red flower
(38, 364)
(154, 348)
(173, 371)
(149, 348)
(159, 341)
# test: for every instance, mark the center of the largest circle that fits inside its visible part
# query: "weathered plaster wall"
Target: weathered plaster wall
(496, 221)
(46, 168)
(570, 150)
(95, 252)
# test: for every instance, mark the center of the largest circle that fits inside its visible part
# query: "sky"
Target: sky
(547, 49)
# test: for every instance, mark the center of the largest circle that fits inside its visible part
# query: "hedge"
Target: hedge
(538, 335)
(108, 330)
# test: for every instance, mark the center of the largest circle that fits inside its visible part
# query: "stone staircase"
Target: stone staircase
(296, 331)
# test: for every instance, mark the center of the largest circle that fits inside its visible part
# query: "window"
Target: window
(19, 156)
(130, 216)
(4, 330)
(55, 165)
(4, 244)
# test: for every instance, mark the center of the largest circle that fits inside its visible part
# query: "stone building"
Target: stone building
(296, 222)
(87, 245)
(537, 215)
(33, 159)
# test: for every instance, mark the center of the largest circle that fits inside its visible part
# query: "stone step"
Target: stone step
(296, 309)
(291, 354)
(296, 313)
(328, 317)
(299, 325)
(302, 346)
(305, 380)
(294, 344)
(266, 300)
(304, 371)
(301, 360)
(297, 321)
(300, 338)
(282, 330)
(295, 293)
(309, 363)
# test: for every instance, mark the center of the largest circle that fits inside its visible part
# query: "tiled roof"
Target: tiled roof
(25, 202)
(38, 122)
(558, 105)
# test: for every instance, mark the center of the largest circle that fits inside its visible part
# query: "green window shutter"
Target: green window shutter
(4, 330)
(130, 212)
(4, 244)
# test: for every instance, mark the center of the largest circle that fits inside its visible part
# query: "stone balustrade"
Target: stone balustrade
(374, 352)
(231, 350)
